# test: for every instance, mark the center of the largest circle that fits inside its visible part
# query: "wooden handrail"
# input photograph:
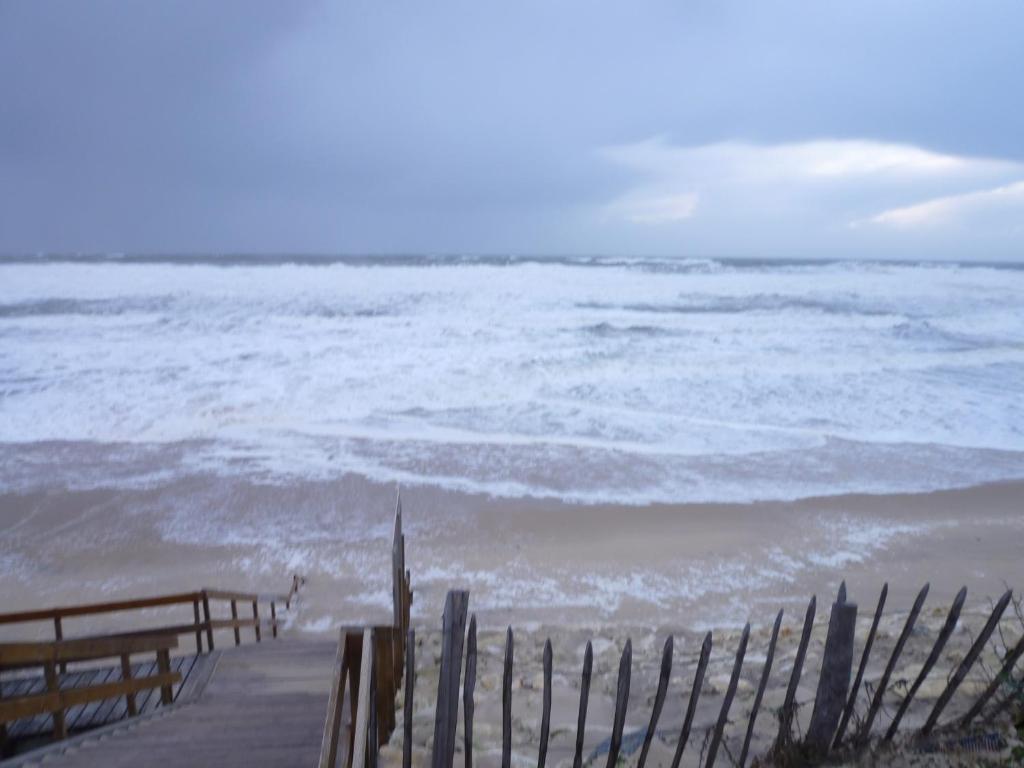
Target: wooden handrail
(84, 649)
(57, 701)
(203, 621)
(87, 609)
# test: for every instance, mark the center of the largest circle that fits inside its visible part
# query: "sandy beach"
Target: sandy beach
(527, 562)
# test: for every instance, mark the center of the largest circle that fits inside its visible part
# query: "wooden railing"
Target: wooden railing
(52, 655)
(370, 664)
(203, 620)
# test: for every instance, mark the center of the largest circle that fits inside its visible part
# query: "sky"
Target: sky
(707, 129)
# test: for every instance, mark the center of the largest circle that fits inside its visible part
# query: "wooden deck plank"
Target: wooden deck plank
(262, 706)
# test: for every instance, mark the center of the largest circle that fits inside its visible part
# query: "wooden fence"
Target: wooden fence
(370, 665)
(839, 688)
(56, 700)
(201, 625)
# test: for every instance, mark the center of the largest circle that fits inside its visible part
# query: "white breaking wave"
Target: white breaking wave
(619, 380)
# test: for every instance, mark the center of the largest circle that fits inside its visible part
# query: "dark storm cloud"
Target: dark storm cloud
(270, 126)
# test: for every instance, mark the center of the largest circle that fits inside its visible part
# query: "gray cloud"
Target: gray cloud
(357, 126)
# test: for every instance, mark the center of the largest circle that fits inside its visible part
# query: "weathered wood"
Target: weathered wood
(126, 674)
(354, 650)
(209, 624)
(362, 713)
(53, 687)
(384, 680)
(86, 609)
(407, 702)
(256, 619)
(506, 702)
(834, 679)
(855, 688)
(14, 655)
(581, 721)
(968, 662)
(765, 674)
(730, 693)
(273, 618)
(468, 689)
(372, 740)
(335, 705)
(864, 732)
(659, 699)
(446, 714)
(55, 700)
(1004, 676)
(234, 616)
(163, 664)
(198, 624)
(789, 704)
(545, 717)
(621, 701)
(691, 707)
(940, 642)
(58, 634)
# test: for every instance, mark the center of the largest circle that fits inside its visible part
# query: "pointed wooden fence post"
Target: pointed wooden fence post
(468, 705)
(447, 711)
(940, 642)
(621, 701)
(765, 674)
(581, 721)
(789, 704)
(968, 662)
(545, 717)
(506, 702)
(864, 733)
(730, 693)
(691, 708)
(834, 680)
(855, 689)
(659, 699)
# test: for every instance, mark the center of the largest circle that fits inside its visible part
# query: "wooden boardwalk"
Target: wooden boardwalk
(264, 704)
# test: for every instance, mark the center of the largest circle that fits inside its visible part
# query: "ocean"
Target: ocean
(629, 381)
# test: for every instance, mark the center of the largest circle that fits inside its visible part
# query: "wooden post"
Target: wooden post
(126, 674)
(372, 729)
(447, 711)
(468, 705)
(234, 616)
(53, 686)
(765, 674)
(730, 693)
(199, 630)
(968, 662)
(834, 680)
(855, 689)
(58, 633)
(256, 619)
(545, 716)
(506, 702)
(209, 625)
(581, 722)
(864, 732)
(354, 648)
(659, 700)
(360, 732)
(621, 701)
(940, 642)
(410, 684)
(335, 705)
(273, 619)
(163, 665)
(691, 708)
(789, 705)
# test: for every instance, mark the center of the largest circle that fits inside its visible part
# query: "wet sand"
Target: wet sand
(524, 561)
